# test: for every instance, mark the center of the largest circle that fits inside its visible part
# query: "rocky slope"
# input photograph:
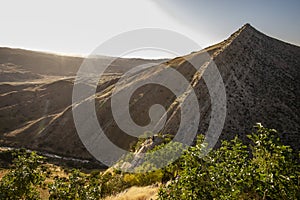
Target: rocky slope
(261, 76)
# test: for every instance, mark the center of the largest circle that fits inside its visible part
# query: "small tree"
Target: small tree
(22, 181)
(275, 172)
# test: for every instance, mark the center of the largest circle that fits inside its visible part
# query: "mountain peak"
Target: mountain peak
(247, 25)
(245, 28)
(241, 33)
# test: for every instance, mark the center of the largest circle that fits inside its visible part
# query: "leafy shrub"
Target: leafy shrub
(263, 170)
(76, 186)
(26, 175)
(275, 172)
(112, 183)
(143, 179)
(81, 186)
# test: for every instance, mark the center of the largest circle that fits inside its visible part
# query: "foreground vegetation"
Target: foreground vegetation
(264, 169)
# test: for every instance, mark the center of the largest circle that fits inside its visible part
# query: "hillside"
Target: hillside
(35, 96)
(261, 75)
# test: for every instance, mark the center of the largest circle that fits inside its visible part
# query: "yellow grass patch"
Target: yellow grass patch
(137, 193)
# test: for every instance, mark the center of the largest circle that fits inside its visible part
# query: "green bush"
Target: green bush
(263, 170)
(82, 186)
(76, 186)
(23, 179)
(143, 179)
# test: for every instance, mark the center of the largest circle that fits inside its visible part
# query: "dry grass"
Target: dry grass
(137, 193)
(3, 172)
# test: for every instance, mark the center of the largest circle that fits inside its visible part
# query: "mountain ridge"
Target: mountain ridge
(260, 73)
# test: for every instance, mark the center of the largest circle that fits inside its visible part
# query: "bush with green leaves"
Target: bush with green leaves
(265, 169)
(143, 179)
(148, 171)
(26, 175)
(275, 167)
(78, 185)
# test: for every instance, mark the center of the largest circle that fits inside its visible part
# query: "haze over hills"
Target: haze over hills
(36, 94)
(261, 76)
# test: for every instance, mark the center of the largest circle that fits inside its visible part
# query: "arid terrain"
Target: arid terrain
(36, 95)
(261, 75)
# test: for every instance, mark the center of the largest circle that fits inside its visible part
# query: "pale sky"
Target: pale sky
(78, 27)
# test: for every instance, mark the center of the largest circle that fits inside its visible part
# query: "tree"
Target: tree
(26, 175)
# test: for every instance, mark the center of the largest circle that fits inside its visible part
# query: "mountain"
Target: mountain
(261, 76)
(36, 98)
(262, 80)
